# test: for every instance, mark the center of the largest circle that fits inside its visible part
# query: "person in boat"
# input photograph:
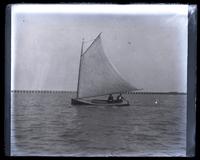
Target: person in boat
(110, 98)
(120, 98)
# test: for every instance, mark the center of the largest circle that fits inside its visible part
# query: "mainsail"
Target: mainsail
(97, 76)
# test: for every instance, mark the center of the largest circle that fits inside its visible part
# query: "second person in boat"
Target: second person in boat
(120, 98)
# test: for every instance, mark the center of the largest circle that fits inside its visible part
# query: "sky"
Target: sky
(148, 49)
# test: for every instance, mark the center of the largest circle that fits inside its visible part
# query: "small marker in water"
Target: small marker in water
(156, 102)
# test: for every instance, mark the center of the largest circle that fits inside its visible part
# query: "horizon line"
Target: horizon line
(76, 91)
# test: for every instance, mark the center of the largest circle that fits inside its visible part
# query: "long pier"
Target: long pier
(59, 91)
(40, 91)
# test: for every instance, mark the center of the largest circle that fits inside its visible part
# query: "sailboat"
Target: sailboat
(98, 77)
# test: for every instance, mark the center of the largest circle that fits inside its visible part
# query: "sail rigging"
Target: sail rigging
(97, 76)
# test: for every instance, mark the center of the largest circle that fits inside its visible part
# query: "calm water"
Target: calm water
(46, 124)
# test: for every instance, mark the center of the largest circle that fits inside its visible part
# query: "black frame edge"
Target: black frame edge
(7, 97)
(191, 81)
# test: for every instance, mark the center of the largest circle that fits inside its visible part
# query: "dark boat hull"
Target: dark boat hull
(98, 102)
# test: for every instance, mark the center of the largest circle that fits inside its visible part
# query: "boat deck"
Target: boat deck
(97, 102)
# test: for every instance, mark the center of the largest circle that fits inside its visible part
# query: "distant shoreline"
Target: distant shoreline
(53, 91)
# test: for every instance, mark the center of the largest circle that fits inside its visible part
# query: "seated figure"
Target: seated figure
(110, 98)
(120, 98)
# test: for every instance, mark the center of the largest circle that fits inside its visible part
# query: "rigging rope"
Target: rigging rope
(89, 40)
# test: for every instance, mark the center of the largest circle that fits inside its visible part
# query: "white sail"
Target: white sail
(97, 76)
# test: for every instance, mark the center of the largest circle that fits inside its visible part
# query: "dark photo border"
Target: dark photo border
(192, 140)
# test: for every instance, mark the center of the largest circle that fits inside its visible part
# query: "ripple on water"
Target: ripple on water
(47, 124)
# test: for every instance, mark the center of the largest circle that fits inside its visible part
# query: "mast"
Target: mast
(80, 67)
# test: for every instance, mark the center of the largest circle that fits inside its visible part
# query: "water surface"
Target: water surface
(47, 124)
